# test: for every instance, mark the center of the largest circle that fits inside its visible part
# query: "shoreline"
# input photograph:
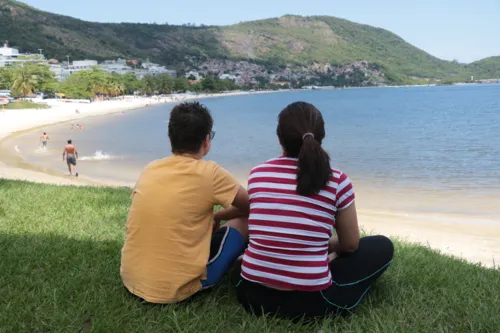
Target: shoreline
(15, 122)
(472, 242)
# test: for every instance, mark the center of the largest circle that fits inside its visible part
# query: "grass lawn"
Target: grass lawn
(59, 272)
(17, 105)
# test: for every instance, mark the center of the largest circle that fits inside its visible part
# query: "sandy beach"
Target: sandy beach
(15, 121)
(473, 242)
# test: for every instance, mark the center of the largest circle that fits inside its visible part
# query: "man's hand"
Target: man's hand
(216, 225)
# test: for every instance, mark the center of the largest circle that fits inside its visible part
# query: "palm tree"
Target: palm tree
(24, 81)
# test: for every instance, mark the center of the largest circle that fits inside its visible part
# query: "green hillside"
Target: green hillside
(286, 40)
(329, 39)
(29, 29)
(486, 68)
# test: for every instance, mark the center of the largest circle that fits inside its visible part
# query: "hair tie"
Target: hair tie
(306, 135)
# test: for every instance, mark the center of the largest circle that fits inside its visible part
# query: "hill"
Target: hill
(292, 40)
(326, 39)
(487, 68)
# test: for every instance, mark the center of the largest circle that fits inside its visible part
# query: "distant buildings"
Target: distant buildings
(191, 74)
(58, 71)
(152, 69)
(119, 66)
(9, 56)
(228, 77)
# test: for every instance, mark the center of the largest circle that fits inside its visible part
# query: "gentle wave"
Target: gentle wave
(40, 150)
(99, 156)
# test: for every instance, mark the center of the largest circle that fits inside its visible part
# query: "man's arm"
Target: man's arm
(239, 208)
(64, 153)
(76, 153)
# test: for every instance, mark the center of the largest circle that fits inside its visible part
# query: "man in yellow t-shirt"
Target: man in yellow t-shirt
(174, 246)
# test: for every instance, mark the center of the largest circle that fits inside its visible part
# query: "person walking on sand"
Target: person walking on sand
(70, 154)
(44, 139)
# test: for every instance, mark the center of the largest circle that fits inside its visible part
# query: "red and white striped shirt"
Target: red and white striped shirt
(289, 232)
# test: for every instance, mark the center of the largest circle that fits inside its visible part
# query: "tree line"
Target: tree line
(28, 79)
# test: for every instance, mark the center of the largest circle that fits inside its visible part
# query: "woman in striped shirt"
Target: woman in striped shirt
(294, 266)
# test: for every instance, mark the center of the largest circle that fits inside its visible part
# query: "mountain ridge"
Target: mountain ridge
(287, 40)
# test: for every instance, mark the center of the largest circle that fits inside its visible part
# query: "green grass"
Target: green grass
(59, 272)
(17, 105)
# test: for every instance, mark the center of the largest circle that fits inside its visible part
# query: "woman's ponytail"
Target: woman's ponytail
(314, 169)
(301, 130)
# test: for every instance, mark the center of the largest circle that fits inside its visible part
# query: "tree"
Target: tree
(149, 85)
(165, 83)
(76, 86)
(196, 87)
(224, 85)
(6, 78)
(209, 84)
(114, 85)
(24, 81)
(181, 84)
(45, 81)
(130, 83)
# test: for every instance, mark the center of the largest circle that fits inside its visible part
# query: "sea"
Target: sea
(409, 150)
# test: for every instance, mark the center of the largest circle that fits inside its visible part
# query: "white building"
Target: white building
(82, 65)
(155, 70)
(10, 56)
(228, 77)
(116, 67)
(196, 75)
(62, 71)
(58, 71)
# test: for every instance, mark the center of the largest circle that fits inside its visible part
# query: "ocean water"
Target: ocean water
(417, 150)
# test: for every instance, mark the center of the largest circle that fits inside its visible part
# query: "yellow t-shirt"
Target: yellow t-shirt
(169, 227)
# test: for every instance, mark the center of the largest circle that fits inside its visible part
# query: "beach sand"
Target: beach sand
(478, 243)
(474, 242)
(15, 121)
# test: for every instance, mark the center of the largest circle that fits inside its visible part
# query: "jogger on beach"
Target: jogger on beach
(70, 154)
(44, 139)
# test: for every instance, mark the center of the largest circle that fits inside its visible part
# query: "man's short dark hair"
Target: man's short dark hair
(189, 125)
(69, 142)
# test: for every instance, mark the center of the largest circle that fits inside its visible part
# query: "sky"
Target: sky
(464, 30)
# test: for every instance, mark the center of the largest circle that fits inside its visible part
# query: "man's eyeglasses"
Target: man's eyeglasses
(212, 135)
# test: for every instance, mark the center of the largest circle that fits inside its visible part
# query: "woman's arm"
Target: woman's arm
(346, 224)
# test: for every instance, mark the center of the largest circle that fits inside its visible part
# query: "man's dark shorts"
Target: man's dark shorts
(71, 160)
(226, 246)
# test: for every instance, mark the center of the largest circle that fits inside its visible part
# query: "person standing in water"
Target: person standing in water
(44, 139)
(70, 154)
